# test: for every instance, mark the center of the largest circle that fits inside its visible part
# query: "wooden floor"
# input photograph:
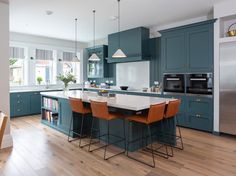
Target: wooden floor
(40, 150)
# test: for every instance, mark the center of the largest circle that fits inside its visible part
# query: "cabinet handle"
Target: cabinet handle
(198, 99)
(18, 102)
(36, 93)
(18, 96)
(18, 110)
(198, 115)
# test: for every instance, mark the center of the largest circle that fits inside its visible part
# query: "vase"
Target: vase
(66, 89)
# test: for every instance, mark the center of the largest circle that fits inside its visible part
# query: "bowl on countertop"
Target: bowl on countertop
(124, 87)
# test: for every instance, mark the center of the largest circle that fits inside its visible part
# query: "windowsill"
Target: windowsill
(32, 88)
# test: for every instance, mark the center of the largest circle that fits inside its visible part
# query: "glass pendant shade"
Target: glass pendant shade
(75, 59)
(119, 54)
(94, 57)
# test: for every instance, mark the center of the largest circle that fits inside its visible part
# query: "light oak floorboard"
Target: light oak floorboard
(41, 151)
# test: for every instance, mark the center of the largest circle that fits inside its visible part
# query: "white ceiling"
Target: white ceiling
(29, 16)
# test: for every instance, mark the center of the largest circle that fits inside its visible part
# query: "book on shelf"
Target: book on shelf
(50, 104)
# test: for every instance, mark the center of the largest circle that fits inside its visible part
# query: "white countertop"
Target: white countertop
(129, 102)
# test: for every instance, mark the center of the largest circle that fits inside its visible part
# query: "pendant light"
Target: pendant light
(94, 56)
(119, 53)
(75, 58)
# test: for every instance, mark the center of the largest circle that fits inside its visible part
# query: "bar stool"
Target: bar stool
(172, 112)
(155, 114)
(100, 111)
(78, 107)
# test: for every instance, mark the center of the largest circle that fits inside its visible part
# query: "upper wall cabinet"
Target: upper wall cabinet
(188, 48)
(97, 69)
(133, 42)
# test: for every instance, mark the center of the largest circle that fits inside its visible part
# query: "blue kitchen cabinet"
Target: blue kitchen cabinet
(19, 104)
(97, 69)
(173, 51)
(188, 48)
(25, 103)
(155, 67)
(35, 102)
(200, 48)
(200, 113)
(133, 42)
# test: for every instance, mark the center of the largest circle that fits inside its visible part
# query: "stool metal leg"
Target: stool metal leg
(150, 135)
(180, 135)
(70, 127)
(108, 139)
(91, 133)
(81, 130)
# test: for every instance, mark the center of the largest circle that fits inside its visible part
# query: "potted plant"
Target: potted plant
(39, 80)
(66, 79)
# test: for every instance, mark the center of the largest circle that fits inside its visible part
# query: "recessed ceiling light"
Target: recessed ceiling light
(113, 18)
(49, 12)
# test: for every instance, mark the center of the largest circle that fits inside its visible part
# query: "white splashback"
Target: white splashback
(133, 74)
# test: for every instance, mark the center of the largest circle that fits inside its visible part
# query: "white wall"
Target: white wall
(4, 71)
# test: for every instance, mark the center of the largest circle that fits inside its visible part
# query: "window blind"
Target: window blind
(17, 53)
(44, 54)
(68, 56)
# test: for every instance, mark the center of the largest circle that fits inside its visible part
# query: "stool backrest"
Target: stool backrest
(156, 112)
(76, 105)
(3, 124)
(99, 109)
(172, 108)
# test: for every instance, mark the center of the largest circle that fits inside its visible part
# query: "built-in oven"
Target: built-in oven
(174, 83)
(199, 83)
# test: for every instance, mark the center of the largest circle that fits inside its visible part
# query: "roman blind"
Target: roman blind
(17, 53)
(68, 56)
(44, 54)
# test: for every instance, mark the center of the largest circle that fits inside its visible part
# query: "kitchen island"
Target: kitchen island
(56, 112)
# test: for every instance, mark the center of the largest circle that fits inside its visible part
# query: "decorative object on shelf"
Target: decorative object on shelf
(39, 80)
(232, 32)
(124, 87)
(75, 58)
(66, 79)
(94, 56)
(119, 53)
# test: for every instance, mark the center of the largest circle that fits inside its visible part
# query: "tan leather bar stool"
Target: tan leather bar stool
(155, 114)
(77, 106)
(172, 112)
(100, 111)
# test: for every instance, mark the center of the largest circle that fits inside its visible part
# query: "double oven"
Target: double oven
(192, 83)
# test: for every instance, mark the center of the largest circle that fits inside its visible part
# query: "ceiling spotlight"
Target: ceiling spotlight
(49, 12)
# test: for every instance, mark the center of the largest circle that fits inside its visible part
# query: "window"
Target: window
(44, 66)
(69, 66)
(17, 58)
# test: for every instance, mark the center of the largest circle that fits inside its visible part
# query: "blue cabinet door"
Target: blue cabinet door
(19, 104)
(173, 48)
(133, 42)
(35, 102)
(200, 48)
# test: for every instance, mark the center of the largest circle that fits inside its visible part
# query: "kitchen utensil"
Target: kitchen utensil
(124, 87)
(231, 33)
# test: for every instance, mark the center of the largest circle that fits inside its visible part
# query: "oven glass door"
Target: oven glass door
(174, 85)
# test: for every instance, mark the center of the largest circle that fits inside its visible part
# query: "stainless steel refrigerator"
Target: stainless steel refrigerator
(228, 89)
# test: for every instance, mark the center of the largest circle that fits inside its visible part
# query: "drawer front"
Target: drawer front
(200, 106)
(200, 122)
(19, 104)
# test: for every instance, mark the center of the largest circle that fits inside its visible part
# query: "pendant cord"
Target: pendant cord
(76, 36)
(94, 31)
(119, 23)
